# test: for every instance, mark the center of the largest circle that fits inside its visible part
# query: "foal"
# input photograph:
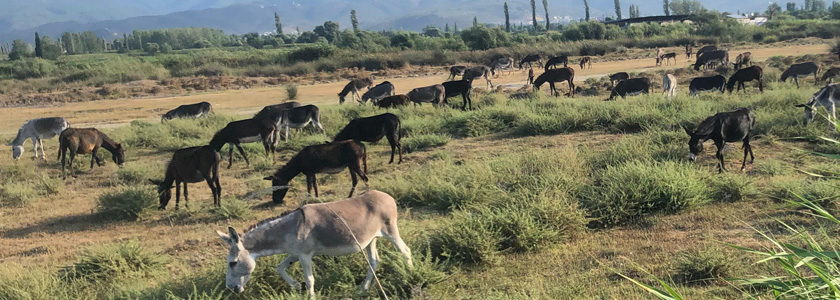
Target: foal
(84, 141)
(190, 165)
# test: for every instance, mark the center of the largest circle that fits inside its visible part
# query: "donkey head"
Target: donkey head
(164, 192)
(17, 151)
(809, 112)
(279, 193)
(119, 155)
(340, 99)
(239, 261)
(695, 144)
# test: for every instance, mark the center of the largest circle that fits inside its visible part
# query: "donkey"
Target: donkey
(456, 71)
(618, 77)
(433, 93)
(688, 51)
(272, 115)
(586, 60)
(826, 97)
(830, 74)
(723, 127)
(393, 101)
(530, 76)
(502, 64)
(459, 87)
(557, 60)
(194, 110)
(633, 86)
(801, 70)
(669, 84)
(354, 86)
(668, 57)
(557, 75)
(531, 58)
(84, 141)
(335, 228)
(190, 165)
(299, 117)
(372, 129)
(742, 60)
(707, 58)
(478, 72)
(36, 130)
(327, 158)
(705, 49)
(658, 57)
(702, 84)
(378, 92)
(746, 75)
(243, 131)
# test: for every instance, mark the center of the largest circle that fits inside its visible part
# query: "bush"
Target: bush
(17, 194)
(700, 267)
(732, 187)
(470, 239)
(129, 203)
(138, 173)
(114, 262)
(233, 208)
(423, 142)
(291, 91)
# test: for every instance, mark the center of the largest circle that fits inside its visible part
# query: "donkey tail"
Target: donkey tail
(364, 160)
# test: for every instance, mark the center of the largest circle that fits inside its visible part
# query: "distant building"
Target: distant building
(750, 20)
(650, 19)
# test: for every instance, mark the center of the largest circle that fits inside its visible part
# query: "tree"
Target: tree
(328, 31)
(152, 48)
(665, 7)
(686, 7)
(618, 9)
(20, 49)
(807, 5)
(586, 6)
(534, 14)
(507, 19)
(547, 19)
(432, 31)
(818, 6)
(446, 29)
(354, 21)
(252, 39)
(772, 9)
(456, 27)
(475, 21)
(50, 49)
(277, 23)
(791, 7)
(39, 52)
(835, 10)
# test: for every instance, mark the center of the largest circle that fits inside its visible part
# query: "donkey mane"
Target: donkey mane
(347, 89)
(269, 220)
(19, 138)
(705, 128)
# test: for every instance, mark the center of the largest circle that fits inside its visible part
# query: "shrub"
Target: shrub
(129, 203)
(703, 266)
(470, 239)
(115, 261)
(137, 173)
(17, 194)
(733, 187)
(50, 185)
(232, 208)
(291, 91)
(423, 142)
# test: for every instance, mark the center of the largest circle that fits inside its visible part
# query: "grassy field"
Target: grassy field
(541, 197)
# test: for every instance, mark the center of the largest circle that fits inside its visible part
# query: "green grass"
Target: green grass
(115, 262)
(127, 203)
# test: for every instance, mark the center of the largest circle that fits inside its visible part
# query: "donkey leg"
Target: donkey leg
(212, 188)
(393, 235)
(315, 185)
(43, 155)
(93, 157)
(354, 180)
(241, 151)
(186, 197)
(308, 184)
(230, 156)
(373, 257)
(281, 269)
(306, 265)
(70, 165)
(177, 194)
(746, 151)
(393, 143)
(719, 156)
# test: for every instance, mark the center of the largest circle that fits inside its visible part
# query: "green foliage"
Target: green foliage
(703, 266)
(17, 194)
(423, 142)
(128, 203)
(291, 91)
(733, 187)
(114, 262)
(233, 208)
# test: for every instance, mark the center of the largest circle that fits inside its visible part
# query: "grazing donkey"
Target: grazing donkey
(669, 84)
(667, 57)
(327, 158)
(372, 129)
(529, 59)
(194, 110)
(827, 97)
(707, 59)
(742, 60)
(37, 130)
(378, 92)
(243, 131)
(830, 74)
(299, 117)
(335, 228)
(271, 116)
(633, 86)
(393, 101)
(456, 71)
(618, 77)
(705, 49)
(702, 84)
(557, 75)
(353, 87)
(801, 70)
(557, 60)
(459, 87)
(433, 93)
(502, 64)
(723, 127)
(84, 141)
(746, 75)
(190, 165)
(586, 60)
(658, 57)
(478, 72)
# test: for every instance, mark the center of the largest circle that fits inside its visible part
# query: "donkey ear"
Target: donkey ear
(233, 235)
(269, 177)
(687, 131)
(800, 105)
(225, 238)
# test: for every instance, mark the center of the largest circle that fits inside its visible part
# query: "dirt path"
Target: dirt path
(110, 113)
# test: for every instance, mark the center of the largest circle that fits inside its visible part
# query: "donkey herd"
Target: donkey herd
(317, 229)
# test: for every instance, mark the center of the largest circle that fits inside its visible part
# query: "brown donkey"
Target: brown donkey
(84, 141)
(190, 165)
(327, 158)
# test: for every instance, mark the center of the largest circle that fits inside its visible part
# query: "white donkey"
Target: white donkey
(669, 84)
(336, 228)
(826, 97)
(36, 130)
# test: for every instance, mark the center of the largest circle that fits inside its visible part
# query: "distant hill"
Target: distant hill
(110, 18)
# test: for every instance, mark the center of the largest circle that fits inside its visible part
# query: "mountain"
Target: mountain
(111, 18)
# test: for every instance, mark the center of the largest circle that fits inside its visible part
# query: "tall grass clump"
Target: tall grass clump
(423, 142)
(114, 262)
(470, 239)
(630, 192)
(291, 91)
(138, 173)
(128, 203)
(703, 266)
(17, 194)
(732, 187)
(232, 208)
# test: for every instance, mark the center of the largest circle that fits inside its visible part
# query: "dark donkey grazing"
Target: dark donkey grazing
(243, 131)
(459, 87)
(393, 101)
(633, 86)
(708, 58)
(705, 49)
(84, 141)
(456, 71)
(743, 59)
(702, 84)
(378, 92)
(617, 77)
(723, 127)
(372, 129)
(586, 60)
(830, 74)
(668, 57)
(746, 75)
(353, 87)
(529, 59)
(270, 116)
(299, 117)
(801, 70)
(557, 60)
(327, 158)
(556, 75)
(189, 111)
(190, 165)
